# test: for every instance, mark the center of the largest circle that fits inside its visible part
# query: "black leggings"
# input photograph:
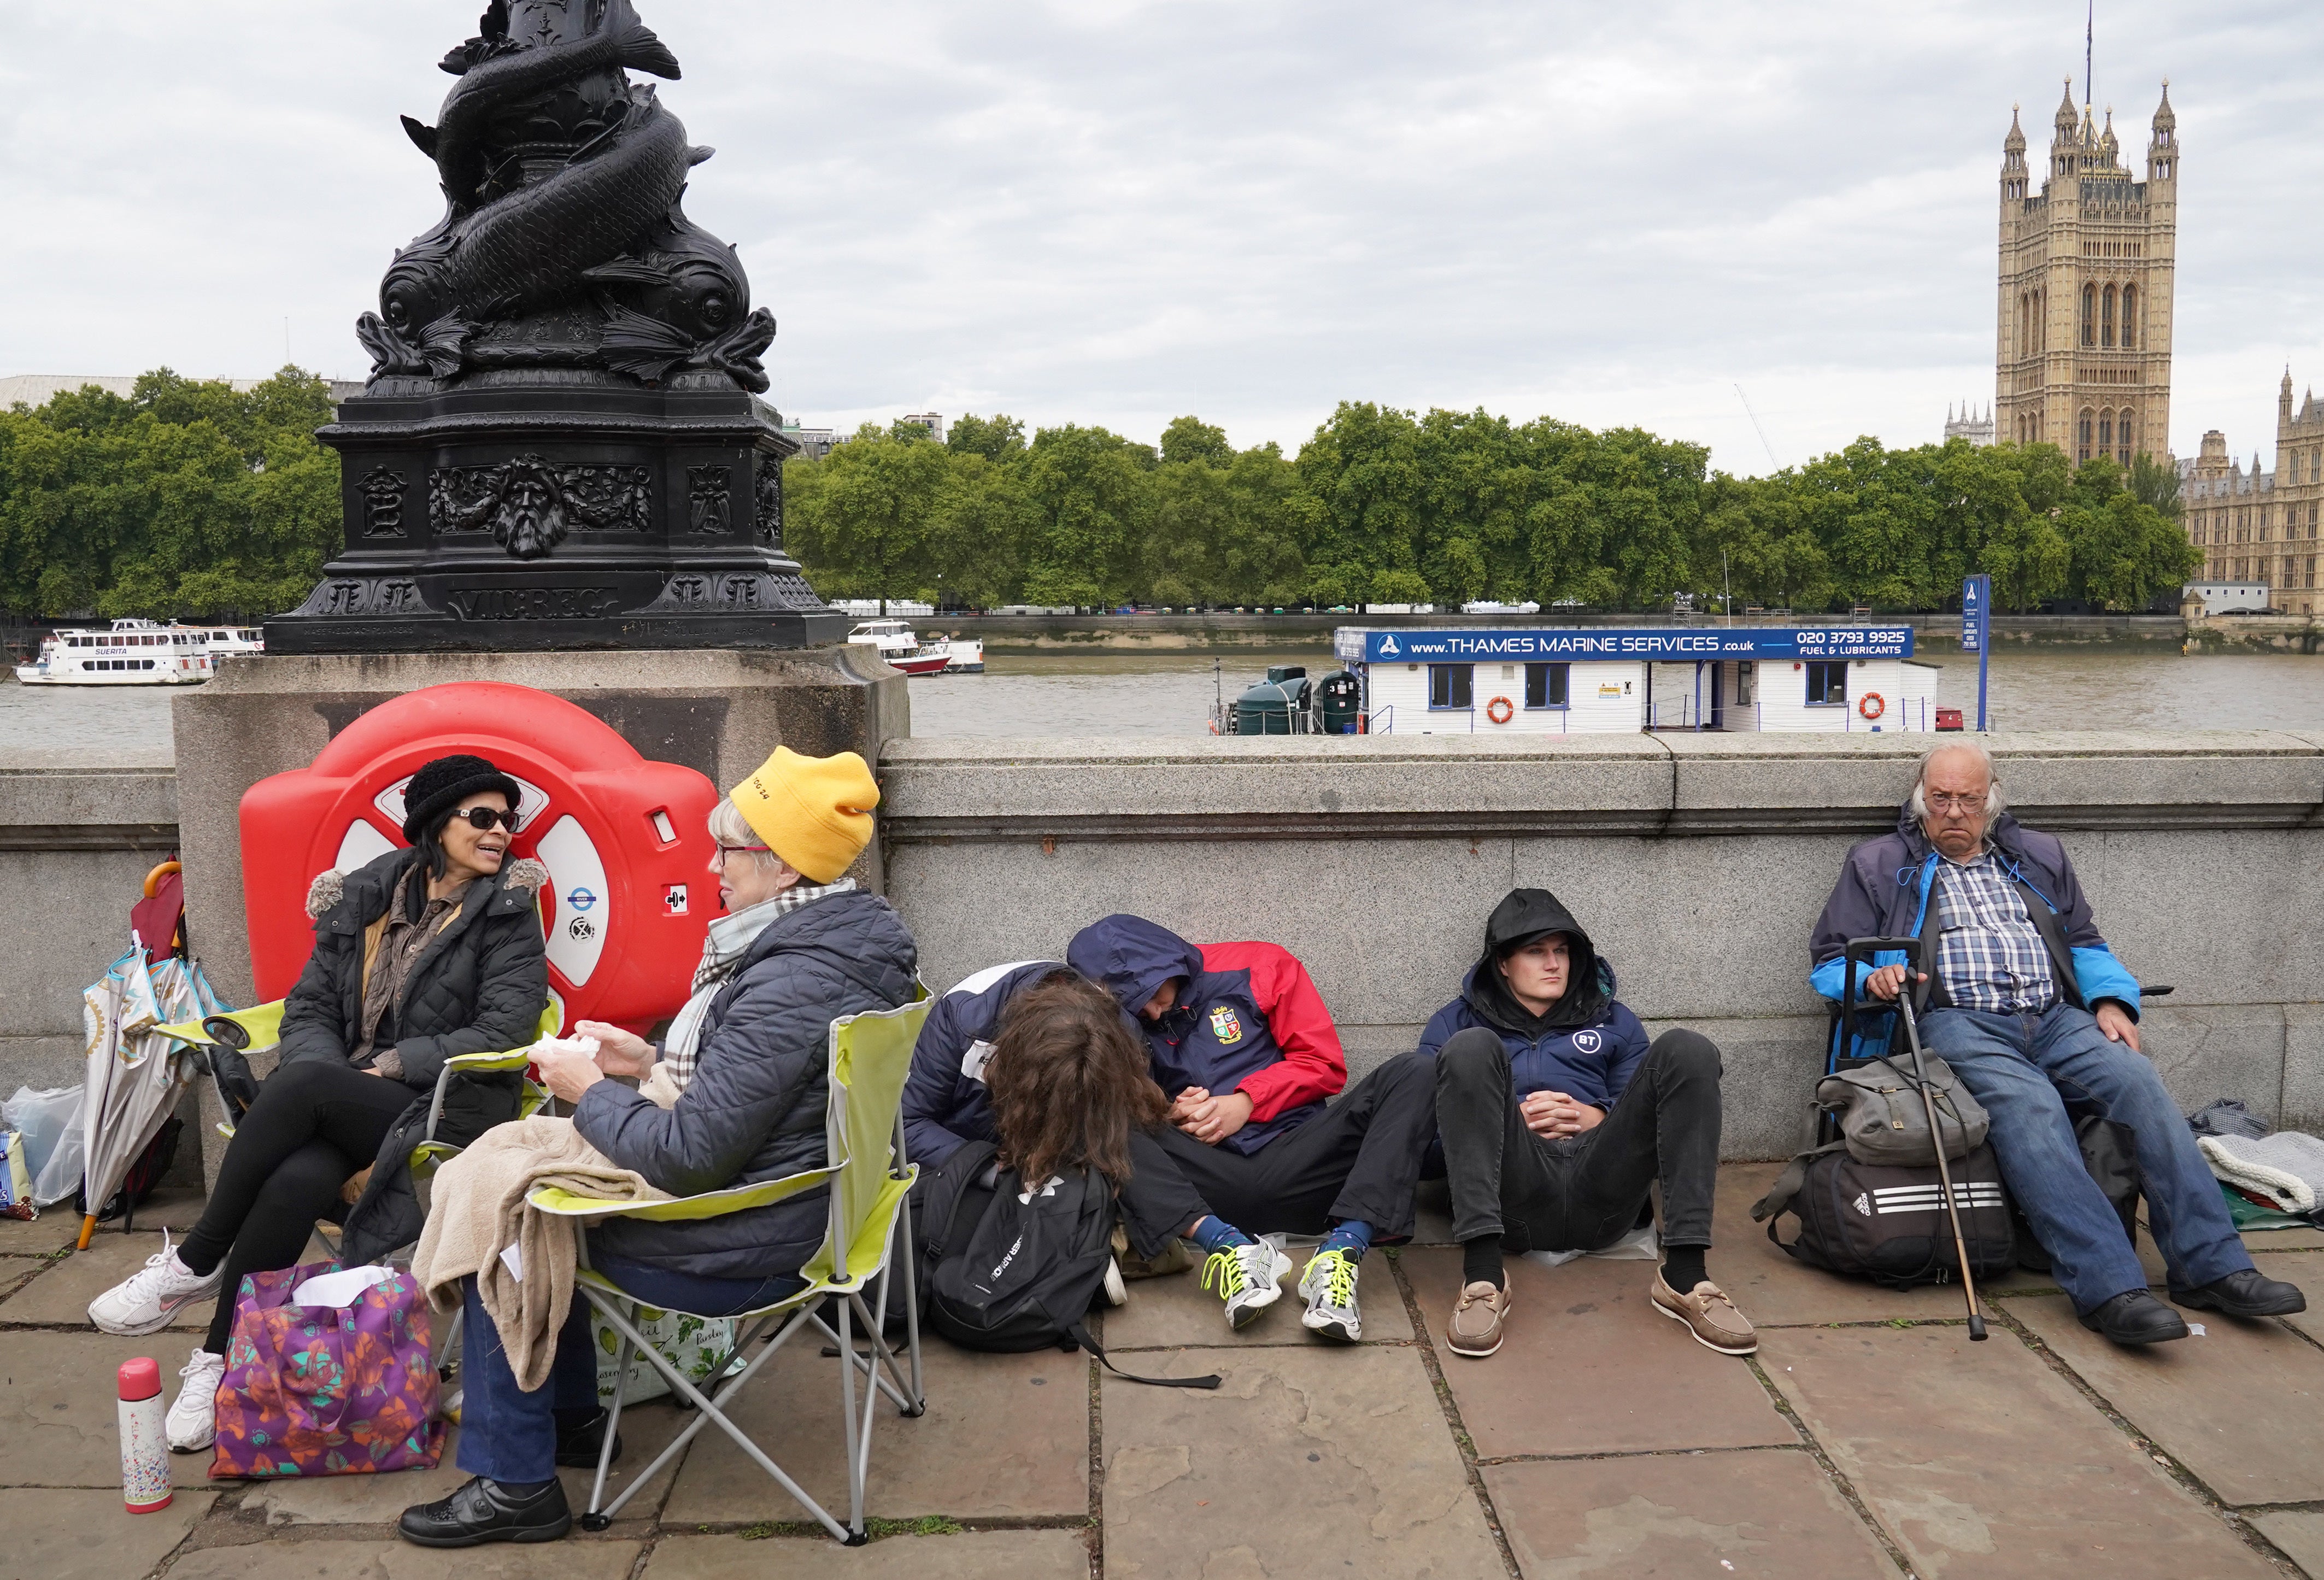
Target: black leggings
(315, 1126)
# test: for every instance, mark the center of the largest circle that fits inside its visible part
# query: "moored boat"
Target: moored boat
(898, 644)
(134, 652)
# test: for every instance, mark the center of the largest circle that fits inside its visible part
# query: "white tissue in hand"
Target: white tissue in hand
(586, 1047)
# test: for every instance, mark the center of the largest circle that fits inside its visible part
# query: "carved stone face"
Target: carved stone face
(532, 518)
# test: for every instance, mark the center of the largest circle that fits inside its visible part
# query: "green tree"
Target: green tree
(182, 499)
(1090, 498)
(1189, 438)
(861, 517)
(998, 438)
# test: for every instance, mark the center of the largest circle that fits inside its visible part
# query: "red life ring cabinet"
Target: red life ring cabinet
(624, 839)
(1872, 704)
(1500, 710)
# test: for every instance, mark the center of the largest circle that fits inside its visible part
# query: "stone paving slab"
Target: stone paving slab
(59, 1297)
(1177, 1311)
(379, 1500)
(1005, 1437)
(969, 1555)
(1756, 1512)
(1588, 1366)
(2307, 1272)
(56, 1394)
(88, 1535)
(1303, 1463)
(2241, 1405)
(2301, 1535)
(53, 1230)
(576, 1557)
(1980, 1461)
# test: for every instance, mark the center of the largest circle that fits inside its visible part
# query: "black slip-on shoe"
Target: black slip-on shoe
(479, 1511)
(2136, 1317)
(577, 1445)
(2248, 1293)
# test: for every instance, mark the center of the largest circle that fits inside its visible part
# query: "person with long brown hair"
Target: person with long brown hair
(1068, 1083)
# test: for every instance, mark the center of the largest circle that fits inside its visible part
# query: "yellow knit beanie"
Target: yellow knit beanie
(814, 812)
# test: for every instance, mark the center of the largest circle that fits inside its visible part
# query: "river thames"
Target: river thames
(1170, 694)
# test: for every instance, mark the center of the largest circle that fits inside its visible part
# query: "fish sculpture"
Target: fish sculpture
(601, 229)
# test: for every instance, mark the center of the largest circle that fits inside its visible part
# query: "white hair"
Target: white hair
(1995, 803)
(729, 827)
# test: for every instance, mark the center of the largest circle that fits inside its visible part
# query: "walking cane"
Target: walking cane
(1944, 1174)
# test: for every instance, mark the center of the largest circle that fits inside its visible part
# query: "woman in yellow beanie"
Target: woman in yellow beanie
(733, 1095)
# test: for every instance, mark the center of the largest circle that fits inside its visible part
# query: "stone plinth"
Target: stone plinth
(718, 712)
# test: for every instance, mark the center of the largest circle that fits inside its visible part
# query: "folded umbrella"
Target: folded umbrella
(134, 1073)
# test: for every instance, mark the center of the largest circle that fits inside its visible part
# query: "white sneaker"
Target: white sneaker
(1248, 1278)
(1116, 1293)
(148, 1301)
(193, 1419)
(1329, 1288)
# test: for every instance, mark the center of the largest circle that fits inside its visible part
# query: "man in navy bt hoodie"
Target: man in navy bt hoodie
(1558, 1118)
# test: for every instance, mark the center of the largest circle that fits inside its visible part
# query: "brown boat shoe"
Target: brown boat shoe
(1709, 1314)
(1476, 1327)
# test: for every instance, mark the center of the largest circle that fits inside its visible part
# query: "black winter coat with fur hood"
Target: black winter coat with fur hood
(478, 986)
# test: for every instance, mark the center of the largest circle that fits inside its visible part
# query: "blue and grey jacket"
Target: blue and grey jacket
(945, 1102)
(1884, 892)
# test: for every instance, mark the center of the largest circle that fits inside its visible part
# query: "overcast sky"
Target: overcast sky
(1118, 212)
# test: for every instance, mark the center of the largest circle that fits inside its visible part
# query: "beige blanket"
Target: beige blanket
(478, 1211)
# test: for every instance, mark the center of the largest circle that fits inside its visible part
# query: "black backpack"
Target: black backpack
(1888, 1224)
(1009, 1269)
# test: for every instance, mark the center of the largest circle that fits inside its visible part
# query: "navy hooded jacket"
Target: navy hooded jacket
(1247, 1020)
(1588, 1045)
(945, 1102)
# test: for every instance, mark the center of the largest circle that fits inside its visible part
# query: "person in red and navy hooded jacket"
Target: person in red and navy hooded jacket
(1240, 1043)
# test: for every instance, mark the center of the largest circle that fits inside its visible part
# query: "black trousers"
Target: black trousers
(1359, 1159)
(1579, 1193)
(315, 1126)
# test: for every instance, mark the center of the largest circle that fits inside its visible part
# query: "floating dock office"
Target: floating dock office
(1605, 682)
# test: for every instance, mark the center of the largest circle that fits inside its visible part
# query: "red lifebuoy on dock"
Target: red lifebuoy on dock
(1872, 704)
(1500, 710)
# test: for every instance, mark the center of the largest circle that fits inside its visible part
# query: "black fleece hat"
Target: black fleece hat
(443, 784)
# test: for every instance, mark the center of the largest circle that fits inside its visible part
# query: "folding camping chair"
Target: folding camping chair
(870, 1218)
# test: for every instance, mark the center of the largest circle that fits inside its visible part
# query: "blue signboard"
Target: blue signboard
(1974, 594)
(1667, 645)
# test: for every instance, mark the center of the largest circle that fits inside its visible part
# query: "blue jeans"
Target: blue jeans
(509, 1435)
(2016, 1065)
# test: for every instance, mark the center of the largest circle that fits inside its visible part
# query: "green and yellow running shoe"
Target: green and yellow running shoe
(1248, 1278)
(1329, 1288)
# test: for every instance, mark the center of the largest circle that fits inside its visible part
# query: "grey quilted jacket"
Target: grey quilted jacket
(754, 1109)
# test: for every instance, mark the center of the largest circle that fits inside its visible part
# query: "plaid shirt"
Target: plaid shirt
(1991, 956)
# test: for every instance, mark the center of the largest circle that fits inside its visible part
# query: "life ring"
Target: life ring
(1500, 710)
(1873, 704)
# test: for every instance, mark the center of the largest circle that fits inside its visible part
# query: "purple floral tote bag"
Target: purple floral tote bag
(325, 1390)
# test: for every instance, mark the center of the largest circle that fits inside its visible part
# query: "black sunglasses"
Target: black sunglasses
(482, 819)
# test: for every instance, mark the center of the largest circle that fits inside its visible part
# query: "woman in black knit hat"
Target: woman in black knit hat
(425, 953)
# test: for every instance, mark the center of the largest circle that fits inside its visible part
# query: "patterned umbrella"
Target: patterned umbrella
(135, 1075)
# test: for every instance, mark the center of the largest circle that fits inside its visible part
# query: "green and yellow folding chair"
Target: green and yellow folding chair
(871, 1219)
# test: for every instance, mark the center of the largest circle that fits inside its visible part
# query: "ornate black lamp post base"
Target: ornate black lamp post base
(565, 508)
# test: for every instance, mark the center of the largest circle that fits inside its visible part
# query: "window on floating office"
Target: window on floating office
(1827, 685)
(1450, 685)
(1545, 685)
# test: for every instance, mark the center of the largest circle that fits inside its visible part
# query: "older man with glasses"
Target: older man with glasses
(2024, 999)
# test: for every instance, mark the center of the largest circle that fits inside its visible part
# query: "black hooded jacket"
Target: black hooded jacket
(1587, 1046)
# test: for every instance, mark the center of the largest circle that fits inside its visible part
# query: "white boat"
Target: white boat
(235, 639)
(134, 652)
(898, 644)
(963, 657)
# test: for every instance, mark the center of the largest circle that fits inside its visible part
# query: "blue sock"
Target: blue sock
(1351, 1235)
(1214, 1233)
